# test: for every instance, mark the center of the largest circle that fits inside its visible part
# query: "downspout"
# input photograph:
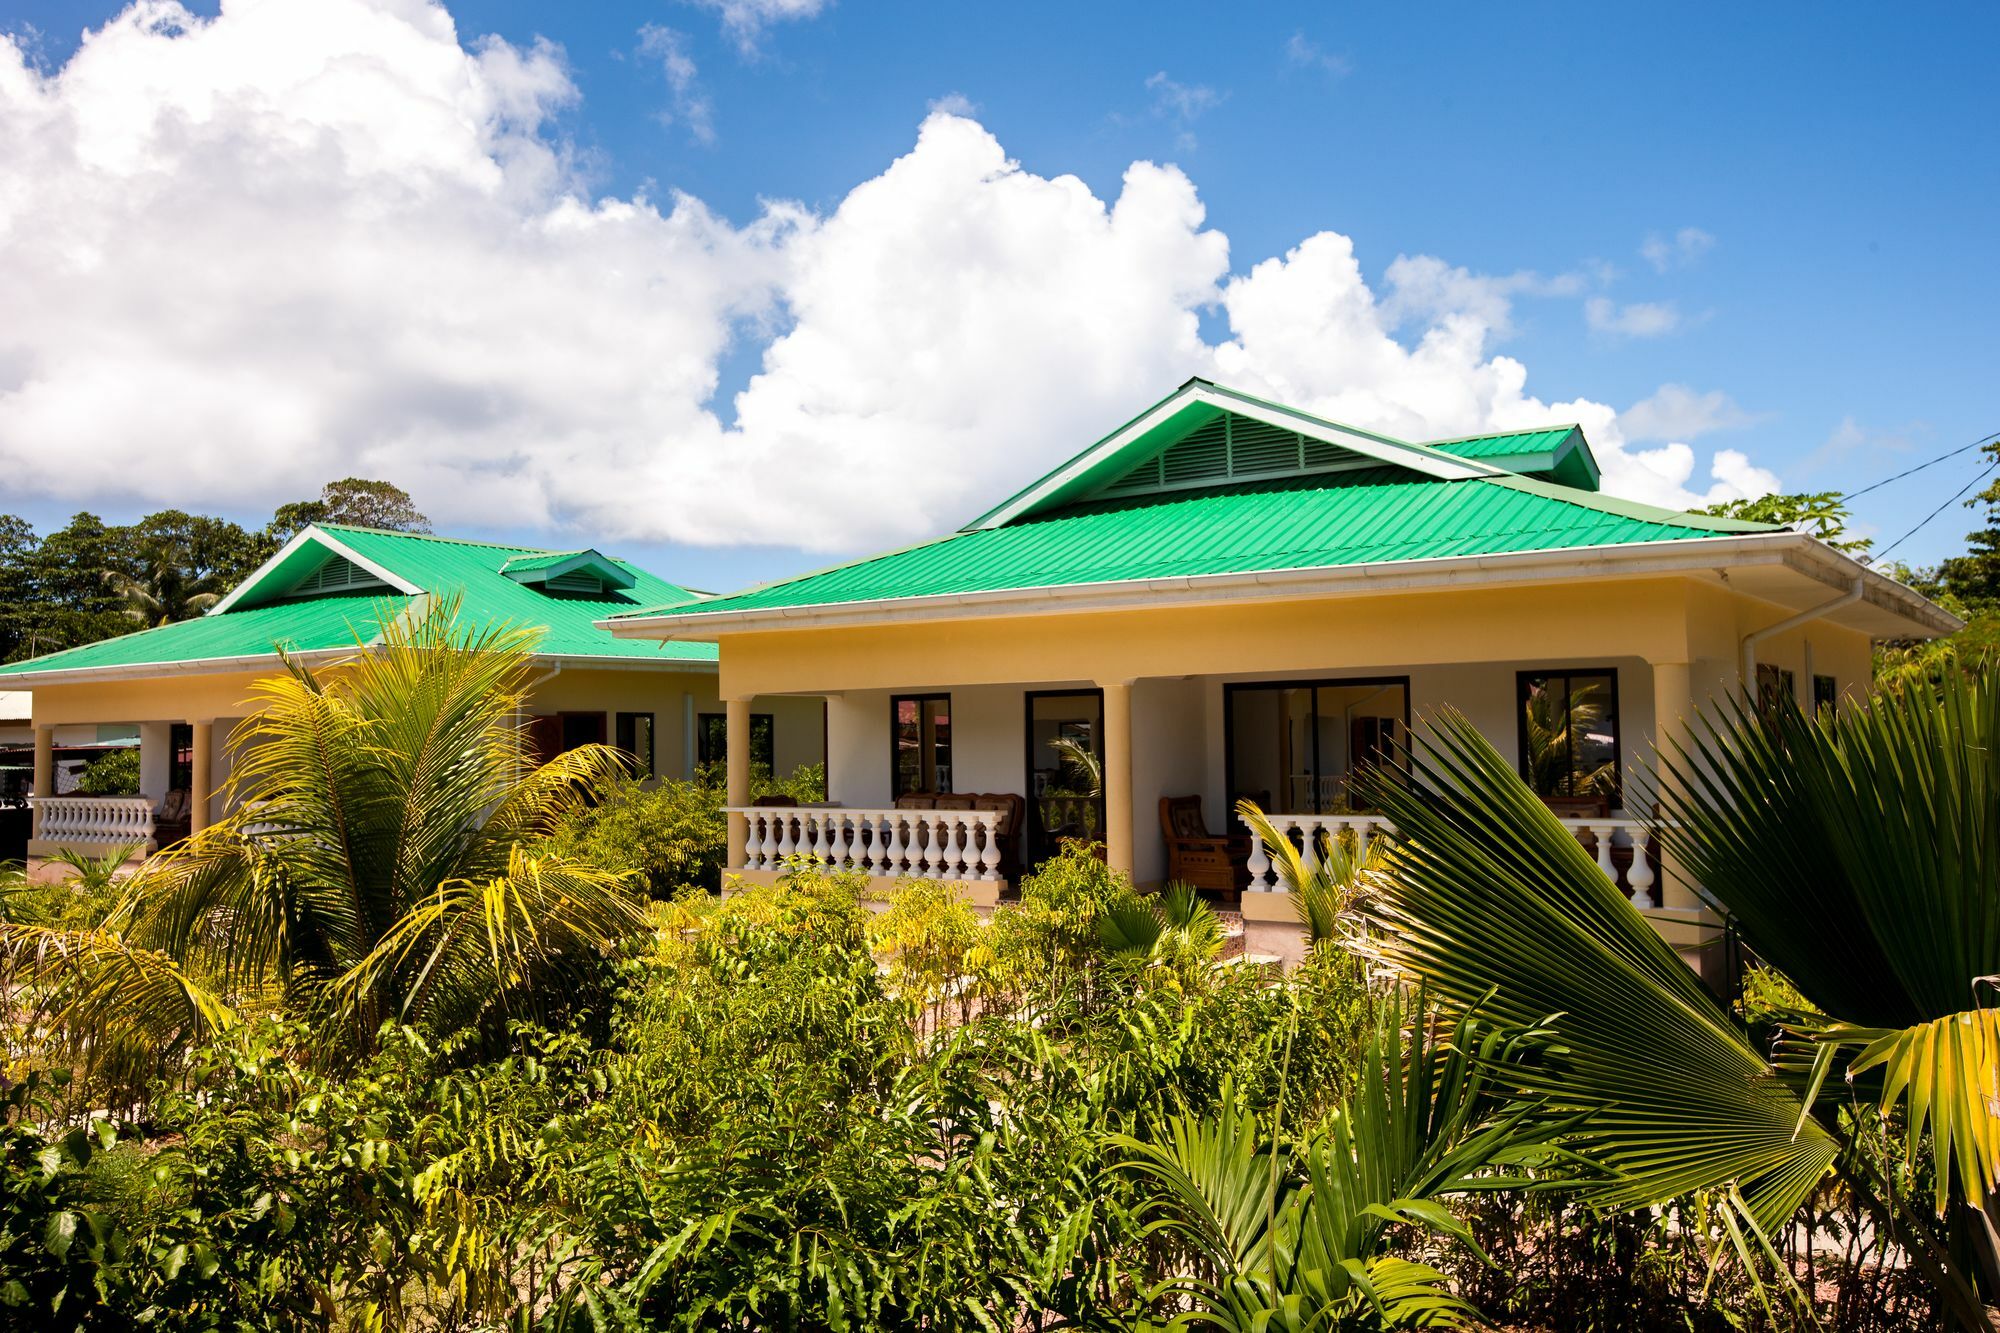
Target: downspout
(1755, 637)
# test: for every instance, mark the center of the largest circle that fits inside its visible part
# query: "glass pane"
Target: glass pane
(1359, 725)
(922, 740)
(1065, 770)
(1569, 729)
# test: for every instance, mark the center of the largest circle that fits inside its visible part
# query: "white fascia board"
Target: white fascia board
(202, 666)
(1417, 458)
(311, 535)
(1804, 555)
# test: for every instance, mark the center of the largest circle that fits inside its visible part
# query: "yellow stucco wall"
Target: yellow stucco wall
(671, 696)
(1655, 620)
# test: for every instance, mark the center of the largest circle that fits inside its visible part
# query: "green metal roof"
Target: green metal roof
(1325, 522)
(261, 619)
(305, 625)
(1557, 453)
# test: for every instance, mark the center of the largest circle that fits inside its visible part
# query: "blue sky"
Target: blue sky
(1793, 211)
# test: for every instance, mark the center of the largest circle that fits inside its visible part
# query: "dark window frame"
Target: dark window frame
(702, 755)
(1031, 852)
(1313, 683)
(1830, 698)
(624, 733)
(896, 701)
(1521, 680)
(180, 756)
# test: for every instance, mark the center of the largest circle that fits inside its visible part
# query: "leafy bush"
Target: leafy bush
(112, 774)
(673, 834)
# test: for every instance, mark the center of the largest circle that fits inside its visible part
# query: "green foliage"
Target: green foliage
(354, 501)
(180, 565)
(382, 864)
(112, 774)
(670, 835)
(1821, 514)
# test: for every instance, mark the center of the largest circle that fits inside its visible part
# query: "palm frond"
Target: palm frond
(1498, 907)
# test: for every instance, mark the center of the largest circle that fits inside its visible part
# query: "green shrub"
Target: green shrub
(112, 774)
(673, 834)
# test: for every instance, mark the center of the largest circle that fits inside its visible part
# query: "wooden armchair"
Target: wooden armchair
(1196, 855)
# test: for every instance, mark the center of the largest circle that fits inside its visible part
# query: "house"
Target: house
(183, 688)
(1228, 598)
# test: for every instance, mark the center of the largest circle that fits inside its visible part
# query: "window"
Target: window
(712, 741)
(1295, 746)
(1826, 693)
(1775, 687)
(635, 737)
(920, 741)
(1569, 732)
(180, 757)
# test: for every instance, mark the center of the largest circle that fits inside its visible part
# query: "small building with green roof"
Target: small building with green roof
(326, 596)
(1227, 598)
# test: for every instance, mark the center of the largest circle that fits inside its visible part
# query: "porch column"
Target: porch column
(45, 770)
(736, 720)
(1118, 775)
(1673, 702)
(201, 781)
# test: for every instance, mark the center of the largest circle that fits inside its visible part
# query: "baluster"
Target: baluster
(836, 843)
(927, 844)
(748, 859)
(786, 847)
(984, 827)
(1259, 863)
(893, 854)
(767, 851)
(1640, 877)
(1603, 832)
(948, 867)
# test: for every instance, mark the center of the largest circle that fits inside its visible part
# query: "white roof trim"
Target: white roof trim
(1416, 457)
(312, 534)
(1805, 555)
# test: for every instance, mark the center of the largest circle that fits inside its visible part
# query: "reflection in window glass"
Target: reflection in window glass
(1569, 733)
(635, 737)
(712, 741)
(922, 739)
(1296, 749)
(1065, 771)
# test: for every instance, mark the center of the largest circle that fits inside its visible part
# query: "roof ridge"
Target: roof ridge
(1503, 434)
(1624, 508)
(435, 537)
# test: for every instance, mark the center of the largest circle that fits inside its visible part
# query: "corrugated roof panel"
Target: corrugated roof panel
(442, 566)
(1342, 519)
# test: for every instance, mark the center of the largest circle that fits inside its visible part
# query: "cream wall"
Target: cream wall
(672, 696)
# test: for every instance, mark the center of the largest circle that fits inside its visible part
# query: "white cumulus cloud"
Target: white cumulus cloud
(1677, 412)
(314, 238)
(1640, 319)
(1680, 250)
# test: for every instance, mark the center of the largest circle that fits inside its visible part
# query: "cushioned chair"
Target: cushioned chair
(171, 820)
(1196, 855)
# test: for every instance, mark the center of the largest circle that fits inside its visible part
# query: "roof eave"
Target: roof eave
(1805, 554)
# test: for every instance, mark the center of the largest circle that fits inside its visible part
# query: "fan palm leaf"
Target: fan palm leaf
(1858, 853)
(1497, 906)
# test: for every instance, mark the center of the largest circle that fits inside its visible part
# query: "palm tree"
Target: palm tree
(1857, 854)
(382, 862)
(1304, 1239)
(163, 592)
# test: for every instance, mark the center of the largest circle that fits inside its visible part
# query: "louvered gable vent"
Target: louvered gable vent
(1230, 448)
(580, 581)
(338, 574)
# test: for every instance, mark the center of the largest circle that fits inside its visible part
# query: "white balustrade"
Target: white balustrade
(104, 819)
(888, 844)
(1312, 834)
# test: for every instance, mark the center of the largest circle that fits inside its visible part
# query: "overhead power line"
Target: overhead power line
(1982, 475)
(1965, 449)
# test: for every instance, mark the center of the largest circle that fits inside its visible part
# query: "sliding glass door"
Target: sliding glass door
(1295, 746)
